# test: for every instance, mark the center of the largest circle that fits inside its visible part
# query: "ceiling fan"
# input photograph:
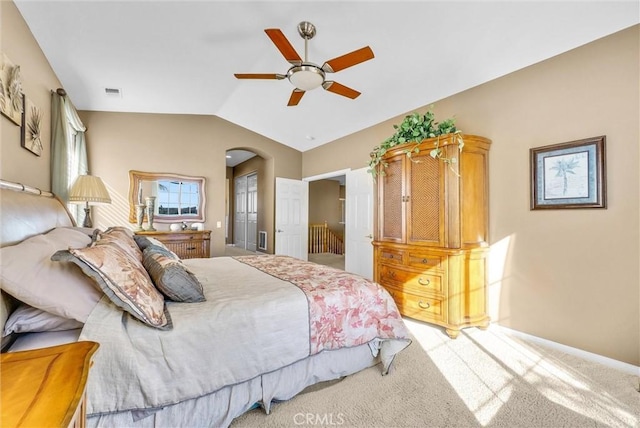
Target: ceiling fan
(305, 75)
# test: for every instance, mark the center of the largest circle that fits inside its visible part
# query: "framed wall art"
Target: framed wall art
(11, 103)
(569, 175)
(30, 135)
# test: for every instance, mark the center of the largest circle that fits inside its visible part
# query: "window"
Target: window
(177, 198)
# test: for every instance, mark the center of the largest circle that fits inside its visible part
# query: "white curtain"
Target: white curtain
(68, 149)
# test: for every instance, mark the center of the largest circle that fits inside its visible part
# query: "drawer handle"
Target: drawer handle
(191, 248)
(424, 305)
(423, 281)
(425, 261)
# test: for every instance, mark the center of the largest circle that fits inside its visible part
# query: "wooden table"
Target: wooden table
(46, 387)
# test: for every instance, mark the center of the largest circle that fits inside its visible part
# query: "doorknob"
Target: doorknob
(370, 236)
(279, 231)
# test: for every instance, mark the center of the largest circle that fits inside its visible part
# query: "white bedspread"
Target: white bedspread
(252, 323)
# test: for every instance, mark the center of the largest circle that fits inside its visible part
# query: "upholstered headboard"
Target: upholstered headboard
(24, 212)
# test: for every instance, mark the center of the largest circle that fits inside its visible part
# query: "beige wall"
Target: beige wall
(38, 79)
(570, 276)
(182, 144)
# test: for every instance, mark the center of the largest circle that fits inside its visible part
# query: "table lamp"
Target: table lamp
(88, 189)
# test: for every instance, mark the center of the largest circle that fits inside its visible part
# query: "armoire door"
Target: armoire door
(424, 201)
(390, 200)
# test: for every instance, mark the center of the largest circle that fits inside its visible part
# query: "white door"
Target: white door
(252, 212)
(240, 214)
(359, 223)
(292, 218)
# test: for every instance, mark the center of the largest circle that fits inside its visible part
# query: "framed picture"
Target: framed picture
(11, 103)
(30, 133)
(569, 175)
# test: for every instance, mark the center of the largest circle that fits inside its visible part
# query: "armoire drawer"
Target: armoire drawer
(425, 260)
(416, 306)
(391, 256)
(411, 280)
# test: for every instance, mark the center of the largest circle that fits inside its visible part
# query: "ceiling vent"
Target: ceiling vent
(113, 92)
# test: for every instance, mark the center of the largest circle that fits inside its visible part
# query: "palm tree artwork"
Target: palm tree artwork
(564, 168)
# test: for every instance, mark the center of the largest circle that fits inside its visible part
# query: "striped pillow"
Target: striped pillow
(171, 276)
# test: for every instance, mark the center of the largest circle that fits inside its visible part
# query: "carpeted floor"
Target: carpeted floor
(231, 251)
(327, 259)
(482, 379)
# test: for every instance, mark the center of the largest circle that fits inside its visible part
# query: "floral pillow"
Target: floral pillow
(122, 278)
(171, 276)
(122, 237)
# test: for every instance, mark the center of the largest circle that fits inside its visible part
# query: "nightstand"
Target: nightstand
(187, 244)
(46, 386)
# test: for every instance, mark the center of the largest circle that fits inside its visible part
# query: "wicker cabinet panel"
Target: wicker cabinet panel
(431, 243)
(391, 212)
(188, 249)
(188, 244)
(425, 213)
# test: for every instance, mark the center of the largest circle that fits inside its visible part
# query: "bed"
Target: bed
(225, 335)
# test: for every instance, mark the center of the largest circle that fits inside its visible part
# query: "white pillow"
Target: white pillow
(29, 275)
(27, 319)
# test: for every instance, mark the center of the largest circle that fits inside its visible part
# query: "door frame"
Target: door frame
(332, 174)
(328, 175)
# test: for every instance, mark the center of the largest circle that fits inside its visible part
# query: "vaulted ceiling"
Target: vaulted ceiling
(181, 56)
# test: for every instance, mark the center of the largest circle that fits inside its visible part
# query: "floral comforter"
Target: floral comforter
(345, 310)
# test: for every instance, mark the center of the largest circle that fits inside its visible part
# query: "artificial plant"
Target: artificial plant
(414, 129)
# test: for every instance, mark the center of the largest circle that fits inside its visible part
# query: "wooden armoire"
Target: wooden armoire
(431, 240)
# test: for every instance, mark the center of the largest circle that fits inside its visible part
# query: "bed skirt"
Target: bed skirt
(218, 409)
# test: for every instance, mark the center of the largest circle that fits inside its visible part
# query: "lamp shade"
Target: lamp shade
(89, 189)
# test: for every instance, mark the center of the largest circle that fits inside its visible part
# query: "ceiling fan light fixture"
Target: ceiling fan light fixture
(306, 77)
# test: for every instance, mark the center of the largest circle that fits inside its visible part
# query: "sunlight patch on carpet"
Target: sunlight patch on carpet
(484, 396)
(485, 367)
(561, 383)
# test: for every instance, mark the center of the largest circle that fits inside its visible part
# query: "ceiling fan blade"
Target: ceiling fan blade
(260, 76)
(283, 45)
(295, 98)
(348, 60)
(339, 89)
